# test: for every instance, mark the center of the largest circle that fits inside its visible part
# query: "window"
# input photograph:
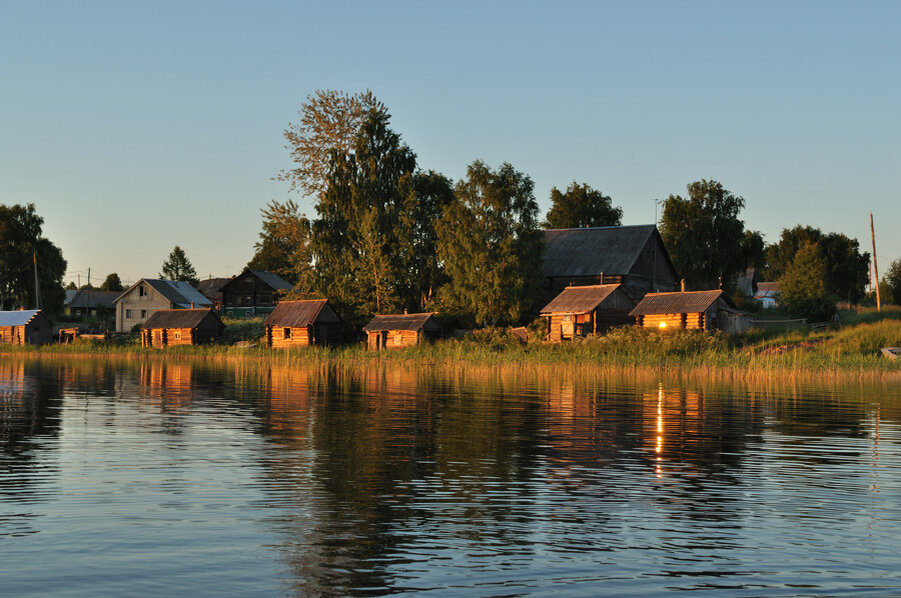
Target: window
(177, 335)
(567, 318)
(142, 291)
(129, 313)
(286, 333)
(143, 313)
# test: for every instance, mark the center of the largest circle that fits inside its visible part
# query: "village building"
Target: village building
(149, 295)
(173, 327)
(692, 310)
(768, 294)
(301, 324)
(398, 331)
(632, 256)
(90, 303)
(25, 327)
(253, 292)
(584, 310)
(211, 288)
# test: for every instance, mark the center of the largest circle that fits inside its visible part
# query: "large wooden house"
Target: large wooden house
(252, 292)
(693, 310)
(211, 288)
(584, 310)
(25, 327)
(632, 256)
(301, 324)
(398, 331)
(149, 295)
(173, 327)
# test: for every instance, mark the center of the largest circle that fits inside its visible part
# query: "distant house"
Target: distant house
(747, 282)
(398, 331)
(252, 292)
(149, 295)
(301, 324)
(693, 310)
(25, 327)
(768, 293)
(90, 303)
(584, 310)
(633, 256)
(211, 288)
(172, 327)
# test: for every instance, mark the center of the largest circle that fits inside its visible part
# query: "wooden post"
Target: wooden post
(875, 267)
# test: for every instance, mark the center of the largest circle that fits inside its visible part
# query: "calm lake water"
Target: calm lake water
(152, 478)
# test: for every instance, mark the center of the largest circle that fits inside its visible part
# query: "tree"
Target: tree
(753, 250)
(112, 283)
(579, 206)
(329, 121)
(704, 235)
(178, 267)
(285, 244)
(490, 245)
(21, 245)
(892, 281)
(804, 293)
(71, 287)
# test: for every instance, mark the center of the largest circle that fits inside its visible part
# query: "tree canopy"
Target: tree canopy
(804, 293)
(285, 244)
(704, 235)
(178, 267)
(112, 283)
(579, 206)
(21, 245)
(892, 280)
(490, 245)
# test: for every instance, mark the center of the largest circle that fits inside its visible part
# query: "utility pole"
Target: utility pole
(37, 288)
(875, 267)
(89, 278)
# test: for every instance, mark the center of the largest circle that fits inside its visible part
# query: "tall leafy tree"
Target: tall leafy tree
(490, 245)
(704, 235)
(285, 244)
(804, 292)
(329, 121)
(178, 267)
(112, 283)
(579, 206)
(21, 245)
(892, 280)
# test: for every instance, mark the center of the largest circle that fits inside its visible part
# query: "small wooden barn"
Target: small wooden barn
(584, 310)
(172, 327)
(398, 331)
(25, 327)
(301, 324)
(693, 310)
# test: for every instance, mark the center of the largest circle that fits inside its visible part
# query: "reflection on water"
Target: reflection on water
(152, 477)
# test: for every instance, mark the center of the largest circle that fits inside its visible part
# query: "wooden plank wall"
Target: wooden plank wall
(396, 339)
(275, 335)
(692, 321)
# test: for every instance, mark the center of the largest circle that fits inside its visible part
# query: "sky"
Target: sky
(134, 127)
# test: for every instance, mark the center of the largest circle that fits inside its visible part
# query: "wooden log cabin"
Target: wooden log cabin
(25, 327)
(633, 256)
(301, 324)
(252, 292)
(692, 310)
(584, 310)
(174, 327)
(398, 331)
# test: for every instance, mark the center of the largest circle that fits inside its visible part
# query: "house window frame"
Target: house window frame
(286, 333)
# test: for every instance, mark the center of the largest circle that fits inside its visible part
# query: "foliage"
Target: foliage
(112, 283)
(490, 246)
(285, 244)
(753, 250)
(178, 267)
(21, 244)
(330, 121)
(71, 287)
(892, 281)
(579, 206)
(847, 270)
(704, 235)
(804, 292)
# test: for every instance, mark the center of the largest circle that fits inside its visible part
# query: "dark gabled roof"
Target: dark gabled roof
(179, 292)
(18, 317)
(274, 281)
(299, 314)
(612, 250)
(177, 318)
(579, 299)
(211, 288)
(397, 322)
(688, 302)
(88, 298)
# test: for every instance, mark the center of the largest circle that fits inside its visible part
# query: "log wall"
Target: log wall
(392, 339)
(277, 338)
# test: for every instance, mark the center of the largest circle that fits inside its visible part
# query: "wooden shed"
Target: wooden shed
(301, 324)
(173, 327)
(25, 327)
(584, 310)
(398, 331)
(693, 310)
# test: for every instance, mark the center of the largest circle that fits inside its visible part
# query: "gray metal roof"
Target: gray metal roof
(398, 322)
(611, 250)
(300, 314)
(89, 298)
(689, 302)
(580, 299)
(181, 293)
(273, 280)
(17, 317)
(177, 318)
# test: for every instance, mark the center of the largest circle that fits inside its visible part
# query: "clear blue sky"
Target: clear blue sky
(134, 127)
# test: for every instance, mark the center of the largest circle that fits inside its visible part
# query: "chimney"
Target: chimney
(405, 312)
(683, 285)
